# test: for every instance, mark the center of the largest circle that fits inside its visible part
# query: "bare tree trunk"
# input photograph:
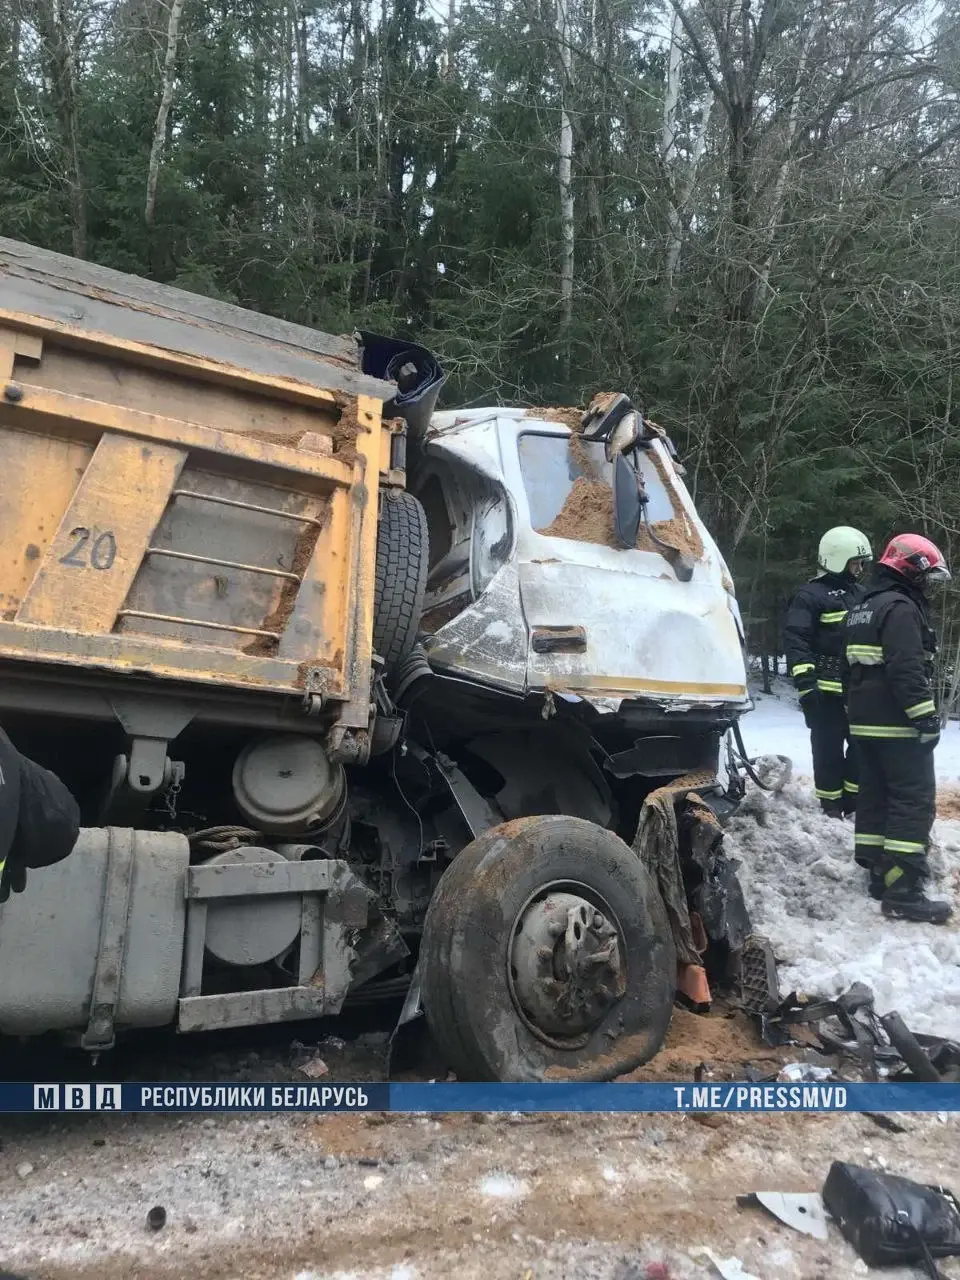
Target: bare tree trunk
(566, 180)
(671, 93)
(163, 111)
(779, 186)
(680, 206)
(303, 109)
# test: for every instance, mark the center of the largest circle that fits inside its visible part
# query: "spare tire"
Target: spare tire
(401, 579)
(547, 955)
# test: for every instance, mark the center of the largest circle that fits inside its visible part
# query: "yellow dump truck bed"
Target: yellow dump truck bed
(189, 490)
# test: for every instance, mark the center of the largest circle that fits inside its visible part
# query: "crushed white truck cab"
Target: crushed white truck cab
(523, 600)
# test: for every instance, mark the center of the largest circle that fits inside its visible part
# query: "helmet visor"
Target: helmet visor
(939, 573)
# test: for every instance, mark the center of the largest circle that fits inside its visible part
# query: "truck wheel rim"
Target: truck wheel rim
(565, 967)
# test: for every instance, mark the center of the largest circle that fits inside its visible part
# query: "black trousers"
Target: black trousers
(897, 803)
(834, 753)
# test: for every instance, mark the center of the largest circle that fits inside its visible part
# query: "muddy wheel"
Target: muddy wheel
(402, 552)
(547, 954)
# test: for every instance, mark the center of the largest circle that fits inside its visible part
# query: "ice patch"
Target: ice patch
(807, 895)
(503, 1187)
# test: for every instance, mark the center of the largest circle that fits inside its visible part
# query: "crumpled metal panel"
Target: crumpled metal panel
(648, 635)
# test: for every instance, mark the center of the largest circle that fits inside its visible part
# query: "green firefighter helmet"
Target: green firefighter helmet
(841, 545)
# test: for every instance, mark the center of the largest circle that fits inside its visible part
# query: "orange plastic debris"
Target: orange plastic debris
(693, 986)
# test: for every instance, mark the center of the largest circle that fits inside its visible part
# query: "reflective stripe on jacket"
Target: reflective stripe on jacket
(814, 630)
(889, 652)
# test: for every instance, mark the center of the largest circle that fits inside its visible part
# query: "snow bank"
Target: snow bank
(807, 895)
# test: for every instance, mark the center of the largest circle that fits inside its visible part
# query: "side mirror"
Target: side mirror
(604, 413)
(624, 436)
(626, 503)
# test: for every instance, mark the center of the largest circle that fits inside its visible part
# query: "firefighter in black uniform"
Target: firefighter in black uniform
(889, 648)
(39, 818)
(813, 639)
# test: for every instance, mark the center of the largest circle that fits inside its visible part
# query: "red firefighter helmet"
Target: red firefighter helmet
(916, 557)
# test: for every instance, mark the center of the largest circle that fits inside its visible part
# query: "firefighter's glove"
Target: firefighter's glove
(929, 729)
(13, 878)
(810, 704)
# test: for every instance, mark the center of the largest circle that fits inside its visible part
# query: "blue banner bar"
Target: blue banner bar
(742, 1098)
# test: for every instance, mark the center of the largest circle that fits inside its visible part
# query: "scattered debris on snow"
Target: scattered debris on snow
(807, 895)
(803, 1212)
(794, 1072)
(314, 1068)
(728, 1268)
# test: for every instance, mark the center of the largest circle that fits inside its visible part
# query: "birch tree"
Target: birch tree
(163, 111)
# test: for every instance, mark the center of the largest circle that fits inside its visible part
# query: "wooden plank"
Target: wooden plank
(30, 304)
(90, 565)
(87, 278)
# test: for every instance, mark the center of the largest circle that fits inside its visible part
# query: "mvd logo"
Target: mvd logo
(76, 1097)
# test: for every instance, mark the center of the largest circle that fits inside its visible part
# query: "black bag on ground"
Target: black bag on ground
(889, 1219)
(39, 818)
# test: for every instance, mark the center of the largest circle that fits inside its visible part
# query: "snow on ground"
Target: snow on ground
(776, 727)
(808, 896)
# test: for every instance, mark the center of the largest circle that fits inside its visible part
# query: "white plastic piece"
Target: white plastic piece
(728, 1268)
(794, 1072)
(804, 1213)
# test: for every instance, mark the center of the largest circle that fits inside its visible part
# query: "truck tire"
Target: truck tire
(401, 579)
(547, 955)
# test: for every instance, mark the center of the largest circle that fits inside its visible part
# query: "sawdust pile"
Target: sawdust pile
(587, 514)
(568, 417)
(346, 431)
(723, 1042)
(677, 532)
(290, 439)
(948, 802)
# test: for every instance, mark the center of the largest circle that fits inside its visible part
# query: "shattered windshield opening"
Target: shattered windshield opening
(567, 482)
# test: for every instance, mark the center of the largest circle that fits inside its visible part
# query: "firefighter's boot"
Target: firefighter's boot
(904, 898)
(872, 862)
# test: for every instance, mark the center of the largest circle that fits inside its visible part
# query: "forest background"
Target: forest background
(744, 213)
